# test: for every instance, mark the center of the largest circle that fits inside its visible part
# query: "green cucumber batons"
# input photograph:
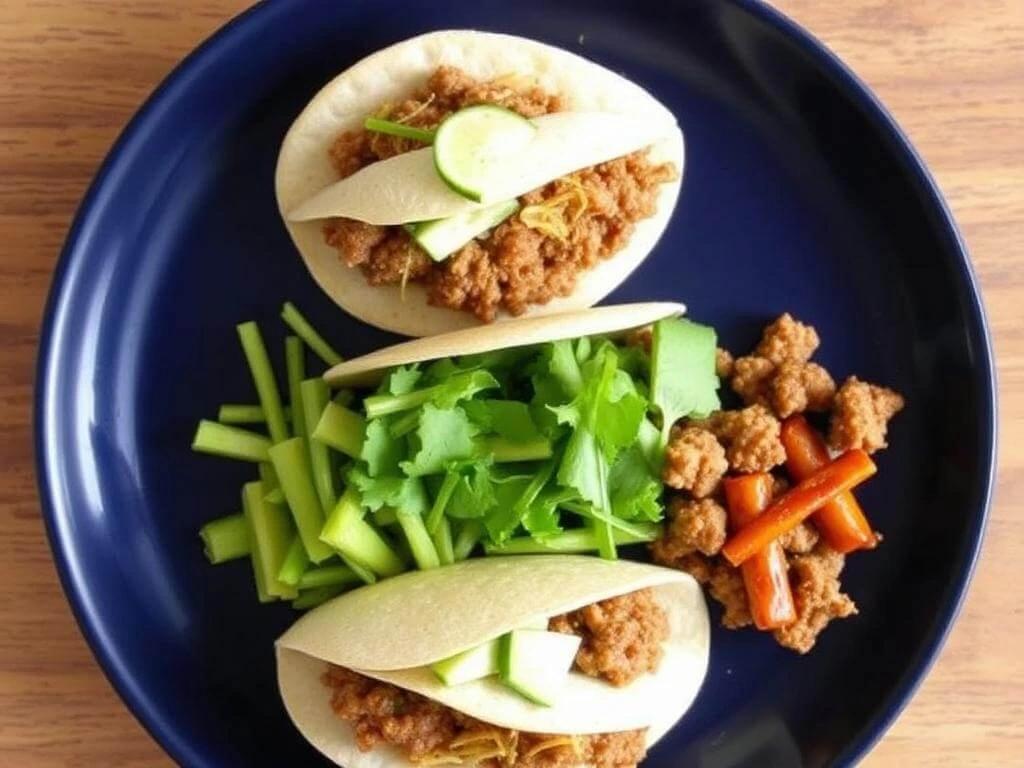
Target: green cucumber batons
(609, 116)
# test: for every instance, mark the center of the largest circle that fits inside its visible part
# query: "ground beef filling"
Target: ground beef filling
(516, 265)
(622, 636)
(431, 733)
(621, 640)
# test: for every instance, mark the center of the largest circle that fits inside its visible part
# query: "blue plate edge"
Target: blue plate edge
(854, 88)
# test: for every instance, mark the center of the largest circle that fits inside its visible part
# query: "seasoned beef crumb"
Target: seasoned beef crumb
(641, 337)
(751, 376)
(516, 266)
(694, 526)
(817, 597)
(382, 714)
(723, 363)
(694, 461)
(799, 540)
(861, 415)
(787, 339)
(751, 438)
(695, 564)
(727, 587)
(797, 387)
(622, 636)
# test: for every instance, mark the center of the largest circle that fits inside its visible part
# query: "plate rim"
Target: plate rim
(210, 51)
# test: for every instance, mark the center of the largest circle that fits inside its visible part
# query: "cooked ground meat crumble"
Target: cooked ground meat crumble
(778, 379)
(622, 636)
(384, 714)
(516, 265)
(622, 639)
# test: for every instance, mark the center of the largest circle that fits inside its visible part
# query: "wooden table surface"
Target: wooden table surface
(72, 73)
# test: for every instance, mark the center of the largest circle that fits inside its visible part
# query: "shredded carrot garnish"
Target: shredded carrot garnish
(552, 743)
(554, 216)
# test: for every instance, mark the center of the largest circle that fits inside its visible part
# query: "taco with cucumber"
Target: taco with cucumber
(461, 177)
(547, 661)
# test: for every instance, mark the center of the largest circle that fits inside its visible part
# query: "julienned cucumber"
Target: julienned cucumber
(535, 663)
(442, 237)
(480, 661)
(469, 143)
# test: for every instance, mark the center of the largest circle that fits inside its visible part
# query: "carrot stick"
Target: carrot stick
(764, 573)
(841, 520)
(799, 503)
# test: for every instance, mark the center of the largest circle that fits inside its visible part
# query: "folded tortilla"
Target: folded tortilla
(394, 630)
(613, 115)
(613, 320)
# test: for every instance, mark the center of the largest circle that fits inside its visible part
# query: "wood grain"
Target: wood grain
(71, 74)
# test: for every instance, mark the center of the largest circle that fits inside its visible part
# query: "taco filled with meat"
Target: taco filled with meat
(460, 177)
(510, 661)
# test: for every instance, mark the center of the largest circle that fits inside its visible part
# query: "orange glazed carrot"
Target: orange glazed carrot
(841, 520)
(764, 573)
(796, 505)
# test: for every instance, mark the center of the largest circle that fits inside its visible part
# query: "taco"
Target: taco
(372, 678)
(461, 177)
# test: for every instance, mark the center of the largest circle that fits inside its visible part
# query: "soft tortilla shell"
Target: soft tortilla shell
(394, 72)
(506, 592)
(612, 320)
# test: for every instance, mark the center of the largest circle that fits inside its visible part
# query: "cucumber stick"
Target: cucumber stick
(442, 237)
(470, 143)
(535, 663)
(480, 661)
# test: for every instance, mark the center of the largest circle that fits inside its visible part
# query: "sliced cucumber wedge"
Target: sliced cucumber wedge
(473, 664)
(470, 142)
(535, 663)
(442, 237)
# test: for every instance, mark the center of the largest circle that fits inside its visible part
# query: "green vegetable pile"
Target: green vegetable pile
(549, 448)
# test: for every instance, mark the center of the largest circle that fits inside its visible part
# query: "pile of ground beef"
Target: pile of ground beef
(774, 382)
(515, 266)
(621, 640)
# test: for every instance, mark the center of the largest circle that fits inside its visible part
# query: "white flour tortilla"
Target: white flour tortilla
(612, 320)
(392, 630)
(303, 169)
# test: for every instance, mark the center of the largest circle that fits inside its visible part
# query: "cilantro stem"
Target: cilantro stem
(295, 563)
(504, 450)
(404, 424)
(341, 429)
(466, 541)
(310, 598)
(275, 496)
(328, 576)
(292, 466)
(244, 413)
(384, 405)
(314, 396)
(271, 534)
(461, 386)
(401, 130)
(580, 540)
(420, 543)
(295, 320)
(357, 540)
(444, 494)
(263, 377)
(295, 364)
(385, 516)
(442, 538)
(592, 513)
(232, 442)
(225, 538)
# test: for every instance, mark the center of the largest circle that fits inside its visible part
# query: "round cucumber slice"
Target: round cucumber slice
(469, 143)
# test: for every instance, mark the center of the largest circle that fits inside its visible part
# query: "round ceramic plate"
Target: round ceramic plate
(800, 194)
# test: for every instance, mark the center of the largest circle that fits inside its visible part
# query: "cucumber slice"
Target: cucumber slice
(468, 144)
(473, 664)
(535, 663)
(442, 237)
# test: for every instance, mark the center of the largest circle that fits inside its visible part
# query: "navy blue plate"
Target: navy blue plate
(800, 194)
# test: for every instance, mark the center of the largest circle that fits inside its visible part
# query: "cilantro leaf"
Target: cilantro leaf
(542, 517)
(402, 493)
(683, 379)
(444, 435)
(509, 418)
(474, 493)
(635, 489)
(505, 515)
(381, 450)
(402, 379)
